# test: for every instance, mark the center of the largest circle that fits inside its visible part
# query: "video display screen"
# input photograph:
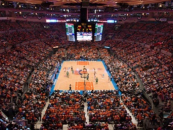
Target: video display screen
(70, 31)
(98, 32)
(84, 36)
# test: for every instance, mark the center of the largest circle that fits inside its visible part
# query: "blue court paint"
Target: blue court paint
(55, 80)
(54, 83)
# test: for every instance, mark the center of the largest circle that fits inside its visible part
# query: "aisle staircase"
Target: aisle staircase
(134, 121)
(39, 123)
(86, 114)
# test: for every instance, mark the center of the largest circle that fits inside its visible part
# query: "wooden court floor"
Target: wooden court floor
(77, 82)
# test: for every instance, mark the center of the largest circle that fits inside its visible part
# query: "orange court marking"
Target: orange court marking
(80, 86)
(82, 63)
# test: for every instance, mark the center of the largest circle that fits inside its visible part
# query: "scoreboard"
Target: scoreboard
(84, 36)
(84, 27)
(70, 32)
(84, 31)
(98, 32)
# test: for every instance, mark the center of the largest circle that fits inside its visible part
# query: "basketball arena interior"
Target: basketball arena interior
(86, 65)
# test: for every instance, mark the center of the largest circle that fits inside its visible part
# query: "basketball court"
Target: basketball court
(95, 69)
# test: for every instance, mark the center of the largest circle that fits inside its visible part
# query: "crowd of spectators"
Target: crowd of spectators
(16, 67)
(64, 108)
(140, 109)
(148, 33)
(35, 98)
(153, 67)
(122, 74)
(13, 33)
(10, 125)
(105, 106)
(39, 88)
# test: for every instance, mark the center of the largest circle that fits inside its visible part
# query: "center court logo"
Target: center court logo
(84, 71)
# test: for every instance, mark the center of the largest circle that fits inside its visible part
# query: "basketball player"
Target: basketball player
(87, 76)
(94, 73)
(96, 80)
(67, 74)
(70, 87)
(64, 69)
(72, 70)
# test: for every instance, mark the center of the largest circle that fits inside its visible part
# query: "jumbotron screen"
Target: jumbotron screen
(98, 32)
(84, 36)
(84, 32)
(70, 31)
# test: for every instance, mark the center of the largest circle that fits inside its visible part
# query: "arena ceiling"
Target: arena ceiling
(105, 2)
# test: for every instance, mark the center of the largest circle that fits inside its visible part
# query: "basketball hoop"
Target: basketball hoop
(84, 75)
